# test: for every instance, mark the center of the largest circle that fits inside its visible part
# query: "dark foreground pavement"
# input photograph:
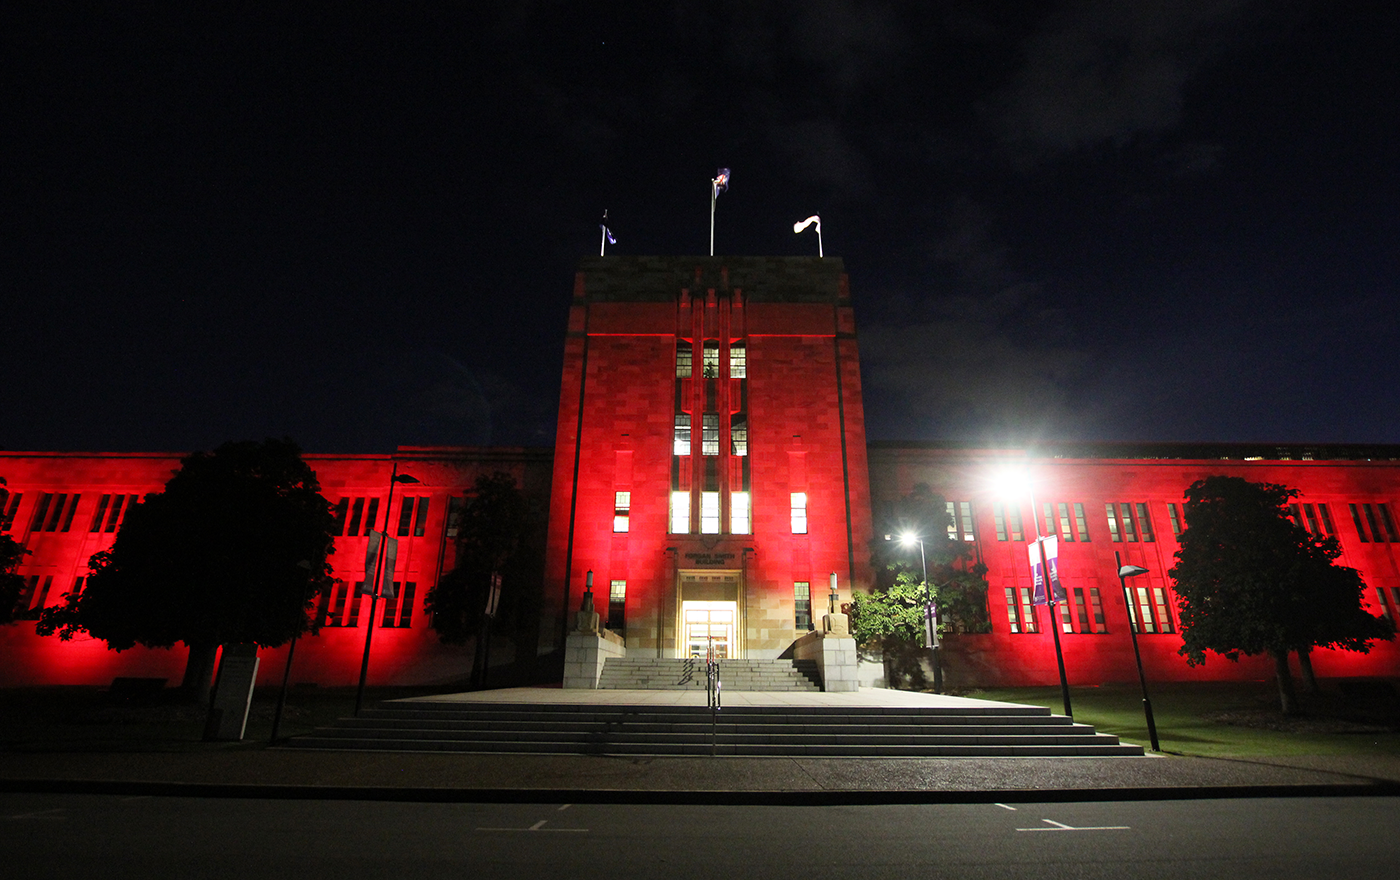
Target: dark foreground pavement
(242, 772)
(246, 770)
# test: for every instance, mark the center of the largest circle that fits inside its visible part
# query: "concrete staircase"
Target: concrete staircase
(793, 731)
(664, 674)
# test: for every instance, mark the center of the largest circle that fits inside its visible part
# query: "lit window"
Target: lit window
(1312, 526)
(1356, 521)
(398, 608)
(1112, 522)
(739, 434)
(1386, 522)
(55, 512)
(1144, 523)
(684, 354)
(622, 511)
(680, 513)
(799, 513)
(709, 367)
(709, 513)
(738, 362)
(739, 522)
(709, 434)
(1008, 522)
(1126, 522)
(802, 605)
(617, 606)
(1081, 524)
(1326, 519)
(1176, 519)
(408, 521)
(109, 512)
(7, 511)
(682, 441)
(1020, 616)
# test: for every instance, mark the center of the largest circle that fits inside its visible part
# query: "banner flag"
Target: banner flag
(1038, 574)
(391, 556)
(391, 553)
(930, 625)
(366, 587)
(1052, 555)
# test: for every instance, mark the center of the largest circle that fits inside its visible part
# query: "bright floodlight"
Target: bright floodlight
(908, 539)
(1011, 482)
(1128, 571)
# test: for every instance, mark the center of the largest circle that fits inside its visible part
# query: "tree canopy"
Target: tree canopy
(235, 550)
(891, 616)
(11, 584)
(499, 531)
(1250, 580)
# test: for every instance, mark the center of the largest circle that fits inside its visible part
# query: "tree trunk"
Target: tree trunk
(1305, 666)
(1287, 697)
(199, 672)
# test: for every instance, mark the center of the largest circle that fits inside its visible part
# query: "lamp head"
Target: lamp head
(1011, 483)
(1128, 571)
(908, 539)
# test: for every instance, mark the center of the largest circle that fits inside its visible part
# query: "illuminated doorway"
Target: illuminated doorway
(707, 623)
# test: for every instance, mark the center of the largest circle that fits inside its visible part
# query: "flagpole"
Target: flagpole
(714, 194)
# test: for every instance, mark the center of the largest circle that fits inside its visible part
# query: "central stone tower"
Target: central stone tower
(710, 467)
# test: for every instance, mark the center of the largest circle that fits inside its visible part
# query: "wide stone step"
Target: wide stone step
(657, 673)
(929, 731)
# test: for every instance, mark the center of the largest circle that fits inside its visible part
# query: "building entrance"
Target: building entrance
(706, 624)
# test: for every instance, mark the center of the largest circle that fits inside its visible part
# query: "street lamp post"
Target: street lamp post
(1022, 485)
(1051, 609)
(377, 580)
(908, 539)
(1125, 572)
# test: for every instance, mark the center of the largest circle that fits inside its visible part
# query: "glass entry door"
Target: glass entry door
(706, 623)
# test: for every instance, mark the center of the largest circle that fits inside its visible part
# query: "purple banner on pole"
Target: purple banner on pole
(1037, 573)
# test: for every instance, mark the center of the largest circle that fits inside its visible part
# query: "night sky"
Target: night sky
(356, 225)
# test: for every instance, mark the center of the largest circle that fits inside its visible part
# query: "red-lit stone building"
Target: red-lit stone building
(711, 472)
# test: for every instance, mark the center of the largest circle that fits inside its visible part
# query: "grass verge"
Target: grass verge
(1227, 719)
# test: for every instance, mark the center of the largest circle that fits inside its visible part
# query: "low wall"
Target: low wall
(584, 656)
(835, 657)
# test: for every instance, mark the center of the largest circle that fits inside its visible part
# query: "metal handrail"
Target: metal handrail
(712, 691)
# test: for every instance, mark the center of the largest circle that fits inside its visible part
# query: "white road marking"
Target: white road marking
(563, 808)
(539, 826)
(1060, 826)
(1005, 807)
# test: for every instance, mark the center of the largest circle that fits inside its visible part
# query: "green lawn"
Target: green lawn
(1216, 719)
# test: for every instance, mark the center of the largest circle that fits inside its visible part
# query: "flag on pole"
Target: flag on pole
(721, 180)
(803, 224)
(607, 235)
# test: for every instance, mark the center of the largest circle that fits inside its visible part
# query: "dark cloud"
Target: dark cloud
(1107, 71)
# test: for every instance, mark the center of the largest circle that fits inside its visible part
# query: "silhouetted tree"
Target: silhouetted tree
(233, 551)
(1249, 581)
(499, 532)
(11, 584)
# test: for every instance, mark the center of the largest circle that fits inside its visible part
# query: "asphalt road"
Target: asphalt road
(103, 836)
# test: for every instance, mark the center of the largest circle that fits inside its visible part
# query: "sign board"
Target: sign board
(233, 693)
